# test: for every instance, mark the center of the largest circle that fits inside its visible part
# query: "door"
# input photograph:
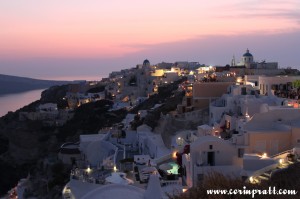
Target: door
(211, 158)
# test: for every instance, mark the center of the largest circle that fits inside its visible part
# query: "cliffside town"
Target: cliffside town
(166, 126)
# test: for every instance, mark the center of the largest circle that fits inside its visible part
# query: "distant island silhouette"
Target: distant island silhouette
(13, 84)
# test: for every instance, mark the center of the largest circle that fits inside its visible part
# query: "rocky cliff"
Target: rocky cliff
(25, 146)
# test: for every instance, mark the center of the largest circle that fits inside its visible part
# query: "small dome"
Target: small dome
(146, 62)
(247, 54)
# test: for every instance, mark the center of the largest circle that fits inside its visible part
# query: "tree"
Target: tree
(296, 84)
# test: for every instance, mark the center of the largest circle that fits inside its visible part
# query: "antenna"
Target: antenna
(233, 61)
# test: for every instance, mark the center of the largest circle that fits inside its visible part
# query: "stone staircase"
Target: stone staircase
(266, 173)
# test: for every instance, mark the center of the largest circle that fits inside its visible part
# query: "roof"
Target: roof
(69, 151)
(157, 140)
(146, 61)
(208, 138)
(144, 127)
(79, 188)
(118, 178)
(205, 127)
(115, 191)
(97, 151)
(91, 137)
(247, 54)
(295, 123)
(278, 119)
(267, 127)
(153, 189)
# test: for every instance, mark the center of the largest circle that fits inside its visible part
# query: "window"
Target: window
(210, 146)
(243, 91)
(241, 152)
(227, 124)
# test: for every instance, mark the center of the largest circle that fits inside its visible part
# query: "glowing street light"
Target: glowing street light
(251, 179)
(179, 141)
(264, 155)
(88, 170)
(281, 161)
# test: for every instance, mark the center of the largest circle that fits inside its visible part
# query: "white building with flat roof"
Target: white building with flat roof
(208, 154)
(267, 85)
(244, 123)
(95, 149)
(240, 100)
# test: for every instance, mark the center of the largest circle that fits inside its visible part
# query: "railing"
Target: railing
(287, 151)
(163, 158)
(171, 182)
(270, 167)
(84, 177)
(264, 170)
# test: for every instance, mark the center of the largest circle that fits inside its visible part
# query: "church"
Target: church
(247, 66)
(247, 61)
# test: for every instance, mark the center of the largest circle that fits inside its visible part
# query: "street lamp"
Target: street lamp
(88, 170)
(179, 141)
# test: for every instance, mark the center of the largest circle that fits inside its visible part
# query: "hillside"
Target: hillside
(13, 84)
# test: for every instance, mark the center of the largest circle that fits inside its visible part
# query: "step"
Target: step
(266, 175)
(263, 178)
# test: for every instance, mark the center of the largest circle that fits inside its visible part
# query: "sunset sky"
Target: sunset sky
(60, 38)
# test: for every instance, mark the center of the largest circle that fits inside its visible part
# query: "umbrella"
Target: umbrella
(165, 166)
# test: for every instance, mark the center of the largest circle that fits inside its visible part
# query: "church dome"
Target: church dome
(146, 62)
(247, 54)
